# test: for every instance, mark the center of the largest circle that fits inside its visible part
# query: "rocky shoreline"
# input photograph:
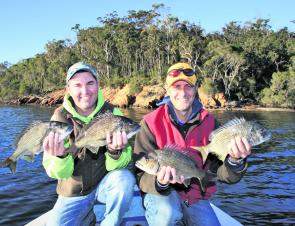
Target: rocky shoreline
(147, 98)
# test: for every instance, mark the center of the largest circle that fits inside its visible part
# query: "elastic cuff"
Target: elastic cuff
(236, 166)
(115, 155)
(235, 162)
(161, 187)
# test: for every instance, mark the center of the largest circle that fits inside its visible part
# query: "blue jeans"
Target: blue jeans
(115, 191)
(171, 210)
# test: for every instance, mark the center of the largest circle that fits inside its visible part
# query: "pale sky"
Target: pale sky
(27, 25)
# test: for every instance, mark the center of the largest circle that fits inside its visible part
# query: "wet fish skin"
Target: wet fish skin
(220, 138)
(177, 158)
(30, 141)
(94, 134)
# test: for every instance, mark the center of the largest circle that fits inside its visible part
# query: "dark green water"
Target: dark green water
(265, 196)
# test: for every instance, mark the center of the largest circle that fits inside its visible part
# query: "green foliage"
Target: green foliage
(282, 90)
(209, 87)
(137, 82)
(114, 82)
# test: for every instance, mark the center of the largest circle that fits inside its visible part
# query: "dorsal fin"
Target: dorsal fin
(173, 147)
(99, 116)
(176, 147)
(233, 122)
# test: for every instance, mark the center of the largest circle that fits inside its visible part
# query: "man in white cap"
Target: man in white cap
(86, 178)
(181, 120)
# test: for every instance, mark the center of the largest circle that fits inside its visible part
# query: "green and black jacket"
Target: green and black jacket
(79, 174)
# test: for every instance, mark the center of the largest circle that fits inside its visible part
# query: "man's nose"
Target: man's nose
(182, 89)
(84, 90)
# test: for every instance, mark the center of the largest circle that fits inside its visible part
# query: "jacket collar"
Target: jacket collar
(68, 104)
(196, 108)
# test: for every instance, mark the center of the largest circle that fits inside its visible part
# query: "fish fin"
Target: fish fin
(73, 149)
(152, 155)
(10, 164)
(204, 181)
(81, 134)
(173, 147)
(204, 150)
(28, 158)
(187, 182)
(176, 147)
(233, 122)
(100, 143)
(94, 150)
(210, 176)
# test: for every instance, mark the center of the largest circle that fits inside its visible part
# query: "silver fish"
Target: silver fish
(238, 127)
(30, 141)
(177, 158)
(94, 134)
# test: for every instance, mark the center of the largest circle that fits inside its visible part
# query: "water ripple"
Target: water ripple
(264, 196)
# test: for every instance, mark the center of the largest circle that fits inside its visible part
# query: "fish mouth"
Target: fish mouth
(268, 136)
(265, 137)
(145, 168)
(67, 132)
(140, 165)
(134, 131)
(137, 128)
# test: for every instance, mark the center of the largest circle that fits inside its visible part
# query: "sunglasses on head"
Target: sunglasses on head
(186, 71)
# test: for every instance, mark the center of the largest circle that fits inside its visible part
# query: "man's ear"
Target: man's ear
(166, 88)
(67, 88)
(167, 91)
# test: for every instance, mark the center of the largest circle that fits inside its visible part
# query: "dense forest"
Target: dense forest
(247, 62)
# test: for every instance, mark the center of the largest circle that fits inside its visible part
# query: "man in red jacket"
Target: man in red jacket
(181, 119)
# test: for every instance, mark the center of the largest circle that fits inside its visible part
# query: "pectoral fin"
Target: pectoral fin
(187, 182)
(28, 158)
(94, 150)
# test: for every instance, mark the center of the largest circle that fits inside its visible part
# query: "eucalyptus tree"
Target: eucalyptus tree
(169, 27)
(59, 56)
(224, 65)
(149, 52)
(191, 44)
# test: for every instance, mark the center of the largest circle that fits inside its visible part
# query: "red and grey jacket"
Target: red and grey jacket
(161, 124)
(158, 130)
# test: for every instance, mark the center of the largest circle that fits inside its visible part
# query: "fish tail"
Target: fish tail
(10, 164)
(204, 150)
(203, 182)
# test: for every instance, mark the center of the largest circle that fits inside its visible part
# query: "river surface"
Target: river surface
(265, 195)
